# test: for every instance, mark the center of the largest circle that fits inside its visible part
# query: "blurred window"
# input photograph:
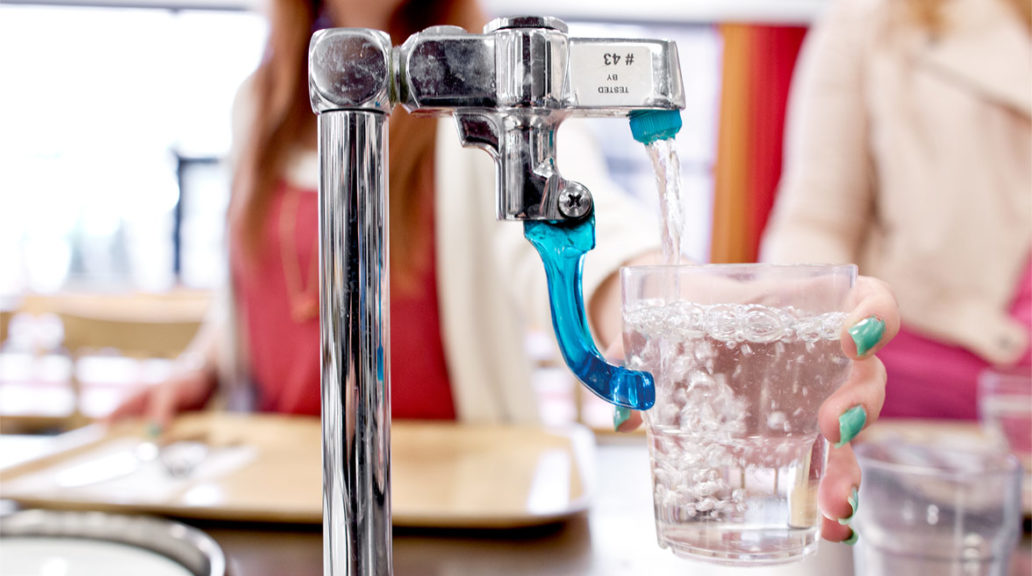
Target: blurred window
(105, 113)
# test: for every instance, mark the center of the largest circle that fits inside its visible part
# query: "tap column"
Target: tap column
(349, 88)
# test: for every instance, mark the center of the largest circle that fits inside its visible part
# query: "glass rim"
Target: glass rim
(1006, 463)
(1005, 374)
(852, 269)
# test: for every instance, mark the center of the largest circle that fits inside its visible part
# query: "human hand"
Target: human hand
(872, 321)
(186, 389)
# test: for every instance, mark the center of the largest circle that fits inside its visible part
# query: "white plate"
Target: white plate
(49, 556)
(56, 543)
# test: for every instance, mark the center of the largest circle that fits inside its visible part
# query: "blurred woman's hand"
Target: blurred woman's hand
(871, 323)
(186, 389)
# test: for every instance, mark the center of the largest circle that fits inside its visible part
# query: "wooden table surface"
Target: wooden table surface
(614, 538)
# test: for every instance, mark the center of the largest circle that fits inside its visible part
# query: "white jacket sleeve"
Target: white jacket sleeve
(825, 200)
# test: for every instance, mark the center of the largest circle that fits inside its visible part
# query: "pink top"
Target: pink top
(929, 379)
(279, 299)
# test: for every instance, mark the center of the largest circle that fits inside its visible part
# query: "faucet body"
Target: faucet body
(508, 90)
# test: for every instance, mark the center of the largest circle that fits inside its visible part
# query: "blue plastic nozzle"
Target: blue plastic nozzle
(562, 246)
(647, 126)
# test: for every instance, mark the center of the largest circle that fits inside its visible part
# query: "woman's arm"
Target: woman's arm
(193, 379)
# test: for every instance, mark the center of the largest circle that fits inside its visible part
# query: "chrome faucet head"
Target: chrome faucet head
(510, 88)
(532, 63)
(350, 69)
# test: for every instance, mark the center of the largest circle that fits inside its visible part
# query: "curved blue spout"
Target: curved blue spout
(562, 246)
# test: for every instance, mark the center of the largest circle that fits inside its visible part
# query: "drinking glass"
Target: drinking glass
(936, 508)
(1005, 411)
(743, 355)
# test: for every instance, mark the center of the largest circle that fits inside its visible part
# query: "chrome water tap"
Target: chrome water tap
(508, 89)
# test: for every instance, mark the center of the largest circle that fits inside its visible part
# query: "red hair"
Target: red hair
(283, 121)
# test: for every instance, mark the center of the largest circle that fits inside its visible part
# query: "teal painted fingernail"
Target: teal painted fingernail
(853, 537)
(850, 423)
(620, 415)
(866, 334)
(854, 501)
(153, 429)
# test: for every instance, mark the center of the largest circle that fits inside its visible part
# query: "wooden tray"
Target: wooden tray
(268, 468)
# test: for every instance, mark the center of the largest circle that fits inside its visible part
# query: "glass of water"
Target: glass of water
(934, 507)
(1005, 410)
(743, 356)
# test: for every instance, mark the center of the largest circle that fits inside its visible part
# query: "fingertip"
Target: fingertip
(838, 494)
(628, 424)
(620, 416)
(832, 531)
(856, 404)
(160, 410)
(850, 423)
(874, 319)
(866, 335)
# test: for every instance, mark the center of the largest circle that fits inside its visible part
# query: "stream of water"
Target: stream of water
(667, 168)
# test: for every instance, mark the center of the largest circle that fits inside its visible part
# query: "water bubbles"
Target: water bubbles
(762, 324)
(703, 351)
(700, 382)
(704, 475)
(705, 504)
(707, 488)
(688, 322)
(669, 413)
(688, 512)
(681, 364)
(722, 322)
(932, 515)
(808, 329)
(665, 444)
(831, 325)
(679, 397)
(689, 319)
(713, 364)
(777, 420)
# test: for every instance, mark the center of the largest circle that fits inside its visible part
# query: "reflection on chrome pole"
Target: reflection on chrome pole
(354, 318)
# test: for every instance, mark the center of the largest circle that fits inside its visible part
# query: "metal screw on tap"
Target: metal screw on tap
(575, 201)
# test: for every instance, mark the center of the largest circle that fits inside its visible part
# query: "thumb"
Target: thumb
(615, 352)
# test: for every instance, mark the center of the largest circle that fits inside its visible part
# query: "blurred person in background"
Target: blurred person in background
(463, 285)
(909, 152)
